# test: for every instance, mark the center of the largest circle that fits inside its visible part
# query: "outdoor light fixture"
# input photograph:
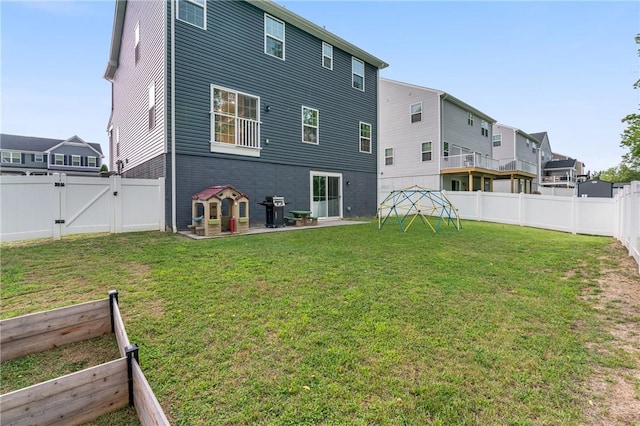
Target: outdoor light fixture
(267, 108)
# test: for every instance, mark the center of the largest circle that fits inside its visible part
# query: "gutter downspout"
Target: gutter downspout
(174, 226)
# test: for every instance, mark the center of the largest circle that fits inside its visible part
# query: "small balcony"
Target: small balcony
(235, 135)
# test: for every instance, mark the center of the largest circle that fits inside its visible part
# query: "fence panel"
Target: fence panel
(29, 206)
(69, 400)
(88, 205)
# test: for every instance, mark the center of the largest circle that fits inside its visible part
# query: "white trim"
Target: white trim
(388, 156)
(233, 148)
(316, 126)
(411, 113)
(360, 137)
(196, 3)
(356, 60)
(267, 35)
(325, 44)
(313, 173)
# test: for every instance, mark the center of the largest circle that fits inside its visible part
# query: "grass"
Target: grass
(345, 325)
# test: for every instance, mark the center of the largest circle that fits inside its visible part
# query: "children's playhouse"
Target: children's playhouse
(219, 209)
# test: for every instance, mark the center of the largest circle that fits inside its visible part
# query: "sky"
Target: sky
(566, 68)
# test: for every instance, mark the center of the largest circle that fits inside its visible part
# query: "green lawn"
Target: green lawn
(345, 325)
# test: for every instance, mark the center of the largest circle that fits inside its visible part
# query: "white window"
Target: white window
(365, 137)
(11, 157)
(533, 147)
(273, 37)
(152, 106)
(136, 48)
(426, 151)
(59, 159)
(497, 140)
(92, 161)
(327, 55)
(357, 74)
(445, 149)
(527, 141)
(484, 128)
(75, 160)
(118, 141)
(193, 11)
(470, 119)
(38, 158)
(388, 157)
(235, 119)
(310, 125)
(416, 112)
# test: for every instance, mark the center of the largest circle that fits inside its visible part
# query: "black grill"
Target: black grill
(274, 211)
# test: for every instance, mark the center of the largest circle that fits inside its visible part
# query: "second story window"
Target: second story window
(470, 119)
(357, 74)
(445, 149)
(388, 157)
(273, 37)
(38, 158)
(416, 112)
(327, 55)
(365, 137)
(484, 128)
(235, 118)
(92, 161)
(193, 12)
(58, 160)
(310, 124)
(426, 151)
(75, 160)
(497, 140)
(11, 157)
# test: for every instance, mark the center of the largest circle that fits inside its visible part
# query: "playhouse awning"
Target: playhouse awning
(220, 192)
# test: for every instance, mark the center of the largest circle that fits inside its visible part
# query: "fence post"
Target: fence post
(132, 353)
(113, 298)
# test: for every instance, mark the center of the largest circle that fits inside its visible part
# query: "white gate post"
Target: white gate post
(116, 204)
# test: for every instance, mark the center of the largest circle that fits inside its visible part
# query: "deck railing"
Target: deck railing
(478, 160)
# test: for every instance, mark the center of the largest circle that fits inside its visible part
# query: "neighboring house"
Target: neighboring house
(433, 139)
(595, 188)
(27, 155)
(520, 152)
(557, 171)
(243, 93)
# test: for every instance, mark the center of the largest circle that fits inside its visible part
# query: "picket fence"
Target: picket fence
(85, 395)
(57, 205)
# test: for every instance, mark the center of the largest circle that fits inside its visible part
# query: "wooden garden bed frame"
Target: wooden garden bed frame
(85, 395)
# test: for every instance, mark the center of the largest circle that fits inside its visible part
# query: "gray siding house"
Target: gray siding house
(27, 155)
(430, 138)
(243, 93)
(521, 148)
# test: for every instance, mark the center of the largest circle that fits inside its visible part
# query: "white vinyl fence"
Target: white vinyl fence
(617, 217)
(58, 205)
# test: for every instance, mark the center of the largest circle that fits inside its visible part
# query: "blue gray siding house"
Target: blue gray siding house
(28, 155)
(243, 93)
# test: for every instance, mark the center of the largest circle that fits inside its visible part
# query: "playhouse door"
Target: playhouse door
(326, 195)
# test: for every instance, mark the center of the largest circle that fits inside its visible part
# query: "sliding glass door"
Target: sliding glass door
(326, 195)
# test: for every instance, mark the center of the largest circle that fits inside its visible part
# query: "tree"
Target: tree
(622, 173)
(631, 140)
(631, 135)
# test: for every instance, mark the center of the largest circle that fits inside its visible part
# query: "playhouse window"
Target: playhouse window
(213, 210)
(242, 209)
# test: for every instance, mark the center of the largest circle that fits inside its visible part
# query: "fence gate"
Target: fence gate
(84, 205)
(58, 205)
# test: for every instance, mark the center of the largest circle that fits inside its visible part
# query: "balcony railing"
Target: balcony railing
(237, 131)
(477, 160)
